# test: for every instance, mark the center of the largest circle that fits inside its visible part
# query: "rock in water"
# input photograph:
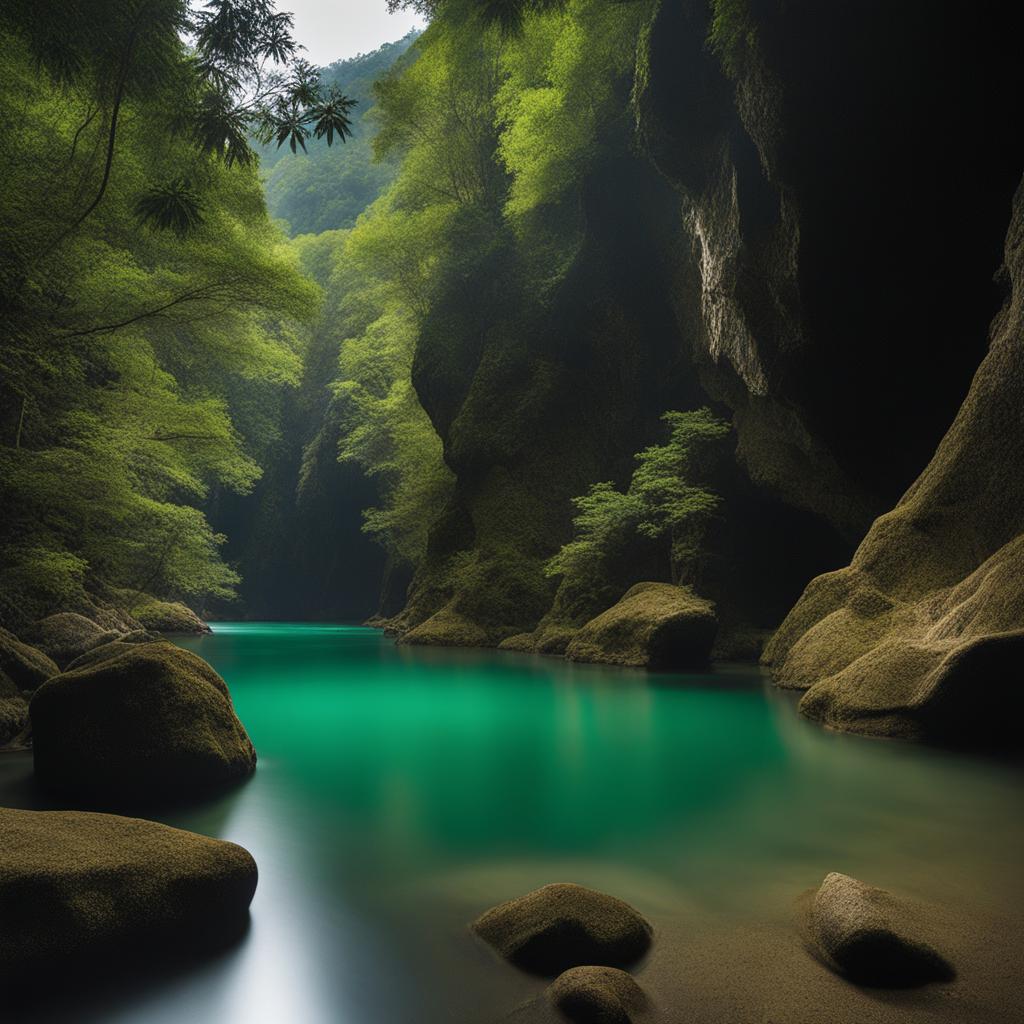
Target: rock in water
(921, 635)
(66, 635)
(25, 666)
(75, 883)
(597, 995)
(13, 710)
(153, 721)
(654, 625)
(866, 934)
(563, 925)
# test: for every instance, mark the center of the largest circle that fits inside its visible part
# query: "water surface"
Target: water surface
(401, 791)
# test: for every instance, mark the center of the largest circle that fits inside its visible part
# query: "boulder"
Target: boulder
(74, 884)
(921, 636)
(66, 635)
(104, 652)
(868, 935)
(152, 721)
(597, 995)
(654, 625)
(13, 710)
(25, 666)
(563, 925)
(168, 617)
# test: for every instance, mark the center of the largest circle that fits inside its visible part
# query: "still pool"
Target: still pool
(401, 791)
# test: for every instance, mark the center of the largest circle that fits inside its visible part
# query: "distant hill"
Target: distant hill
(328, 187)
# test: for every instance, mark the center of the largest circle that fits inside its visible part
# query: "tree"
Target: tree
(663, 501)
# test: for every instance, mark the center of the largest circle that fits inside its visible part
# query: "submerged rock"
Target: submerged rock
(867, 934)
(13, 710)
(597, 995)
(66, 635)
(654, 625)
(24, 665)
(75, 883)
(152, 721)
(564, 925)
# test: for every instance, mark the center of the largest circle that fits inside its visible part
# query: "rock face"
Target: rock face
(922, 635)
(597, 995)
(13, 710)
(654, 625)
(168, 617)
(66, 635)
(113, 648)
(153, 721)
(563, 925)
(25, 666)
(76, 883)
(868, 935)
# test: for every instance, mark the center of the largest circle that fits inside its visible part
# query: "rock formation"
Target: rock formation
(922, 635)
(153, 722)
(563, 925)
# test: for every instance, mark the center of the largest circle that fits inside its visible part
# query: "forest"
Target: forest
(560, 402)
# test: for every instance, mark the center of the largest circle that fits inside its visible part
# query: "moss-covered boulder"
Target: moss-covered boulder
(654, 625)
(113, 648)
(168, 617)
(597, 995)
(922, 635)
(869, 936)
(74, 884)
(564, 925)
(66, 635)
(25, 666)
(13, 710)
(153, 721)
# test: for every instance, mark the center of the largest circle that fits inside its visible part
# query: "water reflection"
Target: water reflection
(401, 790)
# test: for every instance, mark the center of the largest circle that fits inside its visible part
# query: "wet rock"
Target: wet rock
(869, 936)
(564, 925)
(24, 665)
(597, 995)
(66, 635)
(654, 625)
(73, 884)
(153, 721)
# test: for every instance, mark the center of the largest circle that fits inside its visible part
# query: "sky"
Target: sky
(333, 29)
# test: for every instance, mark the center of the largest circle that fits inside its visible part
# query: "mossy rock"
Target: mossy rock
(564, 925)
(654, 625)
(13, 710)
(868, 935)
(66, 635)
(75, 884)
(446, 628)
(112, 649)
(168, 617)
(597, 995)
(922, 635)
(24, 665)
(522, 642)
(155, 721)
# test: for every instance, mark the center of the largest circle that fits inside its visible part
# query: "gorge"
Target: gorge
(538, 439)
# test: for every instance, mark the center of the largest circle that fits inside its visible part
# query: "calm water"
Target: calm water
(401, 791)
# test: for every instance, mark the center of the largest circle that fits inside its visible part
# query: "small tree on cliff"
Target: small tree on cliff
(663, 501)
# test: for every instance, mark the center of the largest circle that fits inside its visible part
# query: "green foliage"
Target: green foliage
(130, 361)
(662, 500)
(733, 32)
(327, 188)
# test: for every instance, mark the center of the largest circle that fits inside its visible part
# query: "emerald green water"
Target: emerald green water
(401, 791)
